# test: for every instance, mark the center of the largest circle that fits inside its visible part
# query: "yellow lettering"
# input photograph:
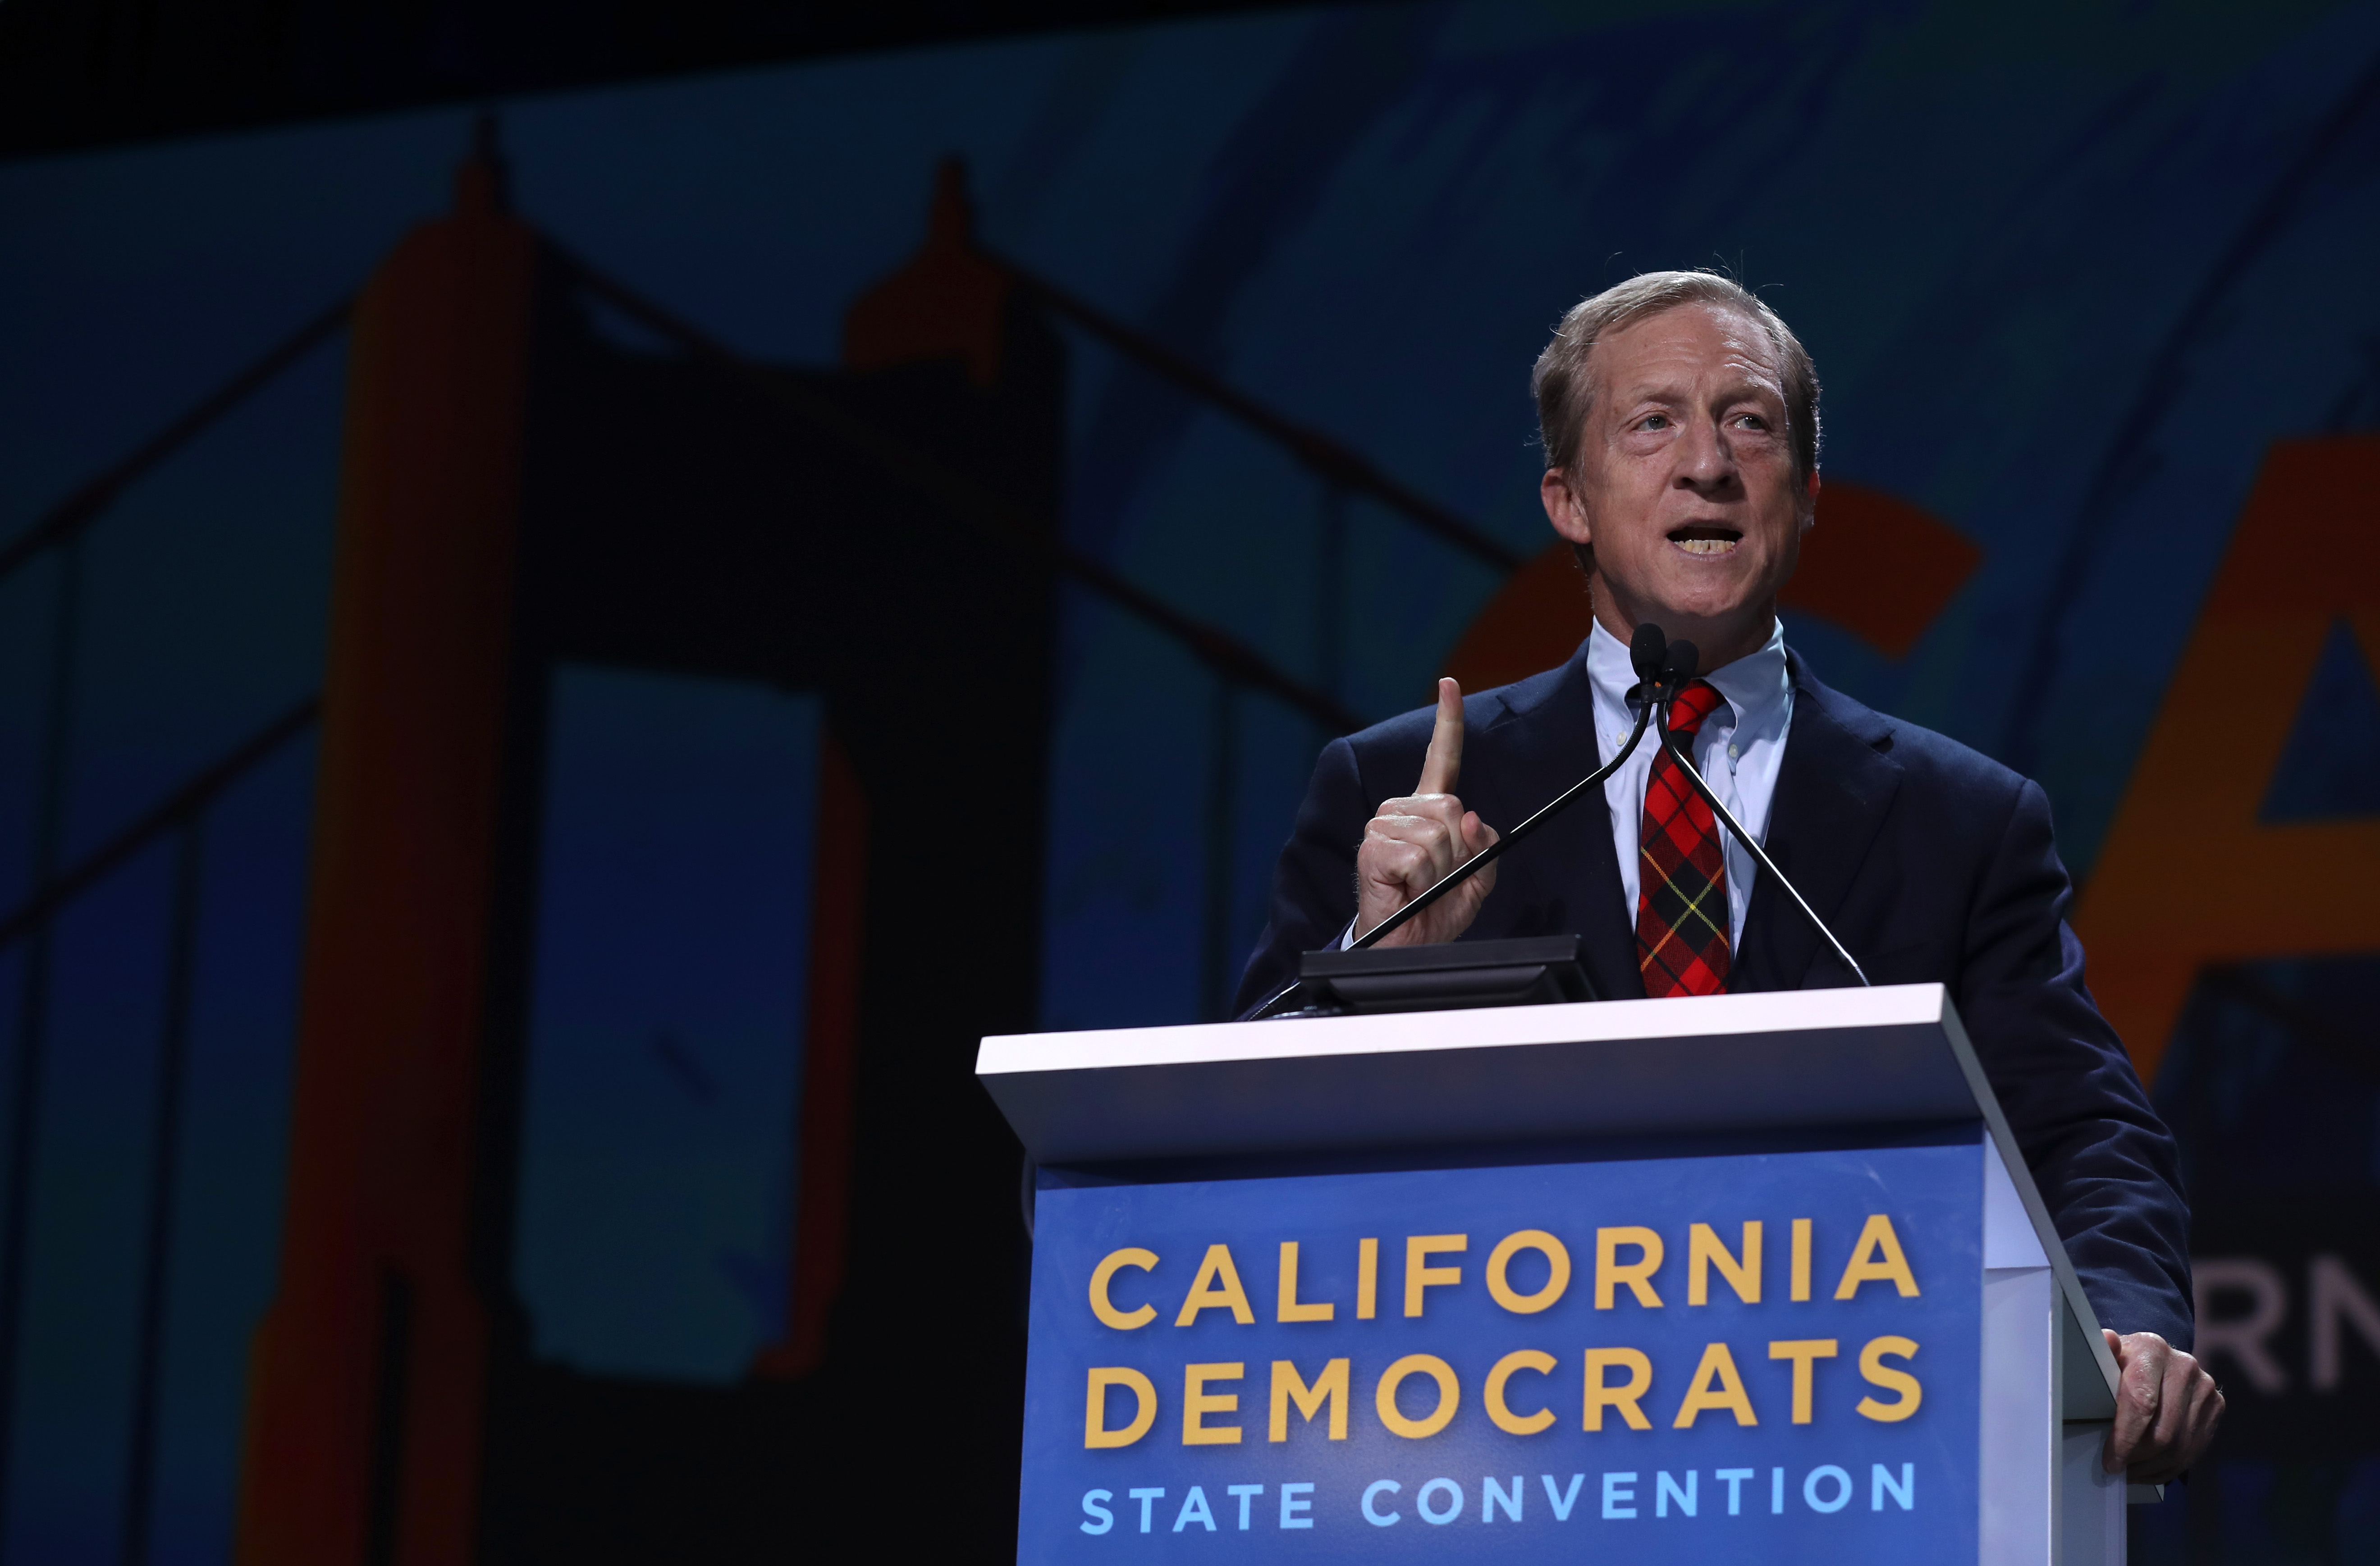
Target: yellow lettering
(1557, 1257)
(1385, 1400)
(1418, 1249)
(1198, 1402)
(1877, 1258)
(1288, 1309)
(1288, 1387)
(1600, 1396)
(1873, 1367)
(1800, 1290)
(1368, 1280)
(1704, 1248)
(1216, 1287)
(2150, 924)
(1493, 1393)
(1804, 1352)
(1637, 1274)
(1096, 1433)
(1102, 1307)
(1716, 1384)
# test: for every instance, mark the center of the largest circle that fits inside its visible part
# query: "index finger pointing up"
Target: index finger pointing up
(1443, 762)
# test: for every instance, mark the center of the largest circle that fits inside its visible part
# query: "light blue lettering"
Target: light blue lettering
(1194, 1509)
(1380, 1486)
(1561, 1503)
(1842, 1483)
(1246, 1493)
(1665, 1490)
(1294, 1510)
(1098, 1518)
(1904, 1492)
(1733, 1478)
(1145, 1498)
(1777, 1490)
(1439, 1519)
(1491, 1496)
(1617, 1490)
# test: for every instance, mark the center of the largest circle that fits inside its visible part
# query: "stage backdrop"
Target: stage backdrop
(1117, 415)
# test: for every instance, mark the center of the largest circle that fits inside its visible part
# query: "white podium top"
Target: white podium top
(1796, 1058)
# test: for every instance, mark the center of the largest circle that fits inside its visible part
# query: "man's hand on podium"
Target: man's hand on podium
(1415, 841)
(2166, 1408)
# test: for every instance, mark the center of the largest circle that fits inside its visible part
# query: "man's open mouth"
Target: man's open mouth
(1708, 541)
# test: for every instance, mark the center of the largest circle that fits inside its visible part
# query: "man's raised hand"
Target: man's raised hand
(1414, 842)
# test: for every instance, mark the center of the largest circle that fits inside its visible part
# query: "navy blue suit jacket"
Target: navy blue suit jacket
(1929, 861)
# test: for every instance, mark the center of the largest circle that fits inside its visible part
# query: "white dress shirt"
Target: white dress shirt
(1738, 750)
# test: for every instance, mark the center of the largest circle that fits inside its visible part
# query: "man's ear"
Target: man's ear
(1562, 509)
(1810, 503)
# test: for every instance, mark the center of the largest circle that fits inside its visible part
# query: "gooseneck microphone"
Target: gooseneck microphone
(1663, 669)
(1645, 649)
(1678, 664)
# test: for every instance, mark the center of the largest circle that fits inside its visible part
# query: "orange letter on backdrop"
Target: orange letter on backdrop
(2187, 876)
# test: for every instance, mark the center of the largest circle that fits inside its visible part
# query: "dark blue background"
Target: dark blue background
(2066, 270)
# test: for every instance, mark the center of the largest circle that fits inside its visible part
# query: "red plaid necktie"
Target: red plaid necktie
(1681, 874)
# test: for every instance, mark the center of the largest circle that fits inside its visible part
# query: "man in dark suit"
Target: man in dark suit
(1680, 423)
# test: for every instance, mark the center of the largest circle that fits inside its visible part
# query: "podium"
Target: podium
(1746, 1277)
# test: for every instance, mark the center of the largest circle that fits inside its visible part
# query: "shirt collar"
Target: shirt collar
(1756, 685)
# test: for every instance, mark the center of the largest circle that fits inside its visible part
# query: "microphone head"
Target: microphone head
(1678, 664)
(1645, 650)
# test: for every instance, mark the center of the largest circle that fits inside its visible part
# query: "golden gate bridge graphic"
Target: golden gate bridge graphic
(518, 491)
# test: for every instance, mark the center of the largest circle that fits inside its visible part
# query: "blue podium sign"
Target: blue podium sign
(1771, 1356)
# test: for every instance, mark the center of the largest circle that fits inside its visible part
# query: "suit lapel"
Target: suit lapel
(1833, 789)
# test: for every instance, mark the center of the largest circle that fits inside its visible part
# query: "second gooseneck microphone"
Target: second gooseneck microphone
(1678, 663)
